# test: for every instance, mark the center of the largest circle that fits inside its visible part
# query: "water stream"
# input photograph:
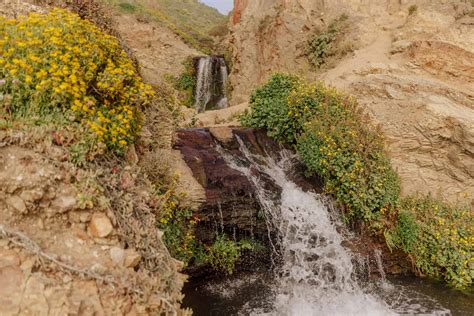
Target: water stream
(317, 275)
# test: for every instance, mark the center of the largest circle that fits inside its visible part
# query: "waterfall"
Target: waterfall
(313, 273)
(211, 86)
(316, 276)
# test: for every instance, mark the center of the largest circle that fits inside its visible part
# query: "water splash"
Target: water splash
(211, 85)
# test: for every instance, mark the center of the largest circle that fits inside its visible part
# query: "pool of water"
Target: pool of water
(252, 294)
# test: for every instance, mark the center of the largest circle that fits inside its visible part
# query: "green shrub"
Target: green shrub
(321, 44)
(127, 7)
(412, 9)
(340, 144)
(444, 245)
(178, 226)
(269, 109)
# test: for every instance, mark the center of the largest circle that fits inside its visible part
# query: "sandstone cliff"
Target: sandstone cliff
(412, 71)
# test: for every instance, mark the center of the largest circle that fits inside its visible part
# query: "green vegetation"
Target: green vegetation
(224, 253)
(178, 226)
(335, 140)
(324, 44)
(192, 20)
(339, 144)
(332, 137)
(186, 82)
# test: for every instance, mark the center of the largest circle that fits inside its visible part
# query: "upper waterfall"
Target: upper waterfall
(211, 86)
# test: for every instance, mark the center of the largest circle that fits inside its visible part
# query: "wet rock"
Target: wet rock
(231, 204)
(100, 225)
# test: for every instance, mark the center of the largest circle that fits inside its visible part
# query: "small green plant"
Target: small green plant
(321, 45)
(186, 82)
(405, 233)
(127, 7)
(412, 9)
(224, 253)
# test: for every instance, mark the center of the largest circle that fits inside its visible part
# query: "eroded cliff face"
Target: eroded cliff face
(412, 72)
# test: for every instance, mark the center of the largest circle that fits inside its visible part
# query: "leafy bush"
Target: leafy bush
(127, 7)
(321, 44)
(339, 144)
(58, 62)
(444, 244)
(332, 137)
(269, 109)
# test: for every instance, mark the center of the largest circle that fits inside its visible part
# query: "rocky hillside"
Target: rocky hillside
(410, 63)
(78, 219)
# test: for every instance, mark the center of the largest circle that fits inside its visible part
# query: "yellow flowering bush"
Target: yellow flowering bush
(339, 144)
(440, 238)
(57, 62)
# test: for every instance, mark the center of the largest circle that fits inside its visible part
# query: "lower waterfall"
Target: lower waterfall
(315, 274)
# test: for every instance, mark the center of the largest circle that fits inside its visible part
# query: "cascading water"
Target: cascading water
(316, 276)
(211, 86)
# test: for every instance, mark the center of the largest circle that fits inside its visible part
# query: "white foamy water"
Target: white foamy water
(317, 276)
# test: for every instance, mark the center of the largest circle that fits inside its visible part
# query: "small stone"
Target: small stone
(84, 217)
(64, 204)
(132, 258)
(80, 234)
(117, 255)
(17, 204)
(28, 264)
(32, 195)
(100, 225)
